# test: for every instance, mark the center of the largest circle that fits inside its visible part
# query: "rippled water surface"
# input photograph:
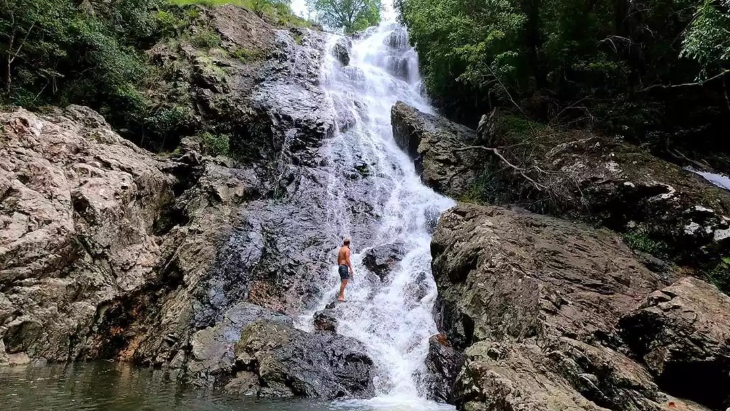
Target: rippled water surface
(121, 387)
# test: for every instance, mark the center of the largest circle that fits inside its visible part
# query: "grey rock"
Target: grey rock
(341, 50)
(291, 362)
(435, 144)
(212, 348)
(382, 259)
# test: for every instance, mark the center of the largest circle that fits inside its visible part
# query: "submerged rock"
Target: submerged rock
(535, 303)
(435, 145)
(291, 362)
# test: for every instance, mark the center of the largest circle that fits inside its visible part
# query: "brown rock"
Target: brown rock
(682, 334)
(78, 209)
(535, 302)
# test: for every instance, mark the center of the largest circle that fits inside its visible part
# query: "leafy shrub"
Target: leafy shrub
(205, 38)
(216, 144)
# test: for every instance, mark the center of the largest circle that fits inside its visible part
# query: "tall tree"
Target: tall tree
(350, 15)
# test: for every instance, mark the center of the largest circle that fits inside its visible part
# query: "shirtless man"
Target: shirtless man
(345, 267)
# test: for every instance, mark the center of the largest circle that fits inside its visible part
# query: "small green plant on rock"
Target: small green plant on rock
(639, 240)
(720, 275)
(205, 38)
(216, 144)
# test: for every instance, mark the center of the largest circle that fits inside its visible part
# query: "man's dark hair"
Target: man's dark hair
(347, 241)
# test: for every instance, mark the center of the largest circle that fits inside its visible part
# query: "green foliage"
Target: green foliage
(720, 275)
(247, 56)
(350, 15)
(640, 241)
(615, 65)
(216, 144)
(708, 35)
(205, 38)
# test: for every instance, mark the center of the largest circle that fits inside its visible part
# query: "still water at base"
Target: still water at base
(123, 387)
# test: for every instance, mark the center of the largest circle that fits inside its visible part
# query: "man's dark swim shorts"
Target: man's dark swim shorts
(344, 272)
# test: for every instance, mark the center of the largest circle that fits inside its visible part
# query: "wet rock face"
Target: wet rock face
(682, 334)
(325, 320)
(290, 362)
(212, 354)
(434, 144)
(444, 364)
(108, 236)
(341, 50)
(382, 259)
(535, 303)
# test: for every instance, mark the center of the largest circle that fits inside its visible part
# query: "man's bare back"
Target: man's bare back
(343, 256)
(344, 267)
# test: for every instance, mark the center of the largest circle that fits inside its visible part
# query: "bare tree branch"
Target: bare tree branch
(699, 83)
(22, 43)
(520, 170)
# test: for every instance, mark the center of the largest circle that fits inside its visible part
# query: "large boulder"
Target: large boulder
(382, 259)
(212, 354)
(682, 334)
(535, 303)
(439, 149)
(291, 362)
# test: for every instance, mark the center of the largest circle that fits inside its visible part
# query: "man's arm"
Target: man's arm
(349, 263)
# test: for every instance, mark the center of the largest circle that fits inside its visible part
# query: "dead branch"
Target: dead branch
(698, 83)
(520, 170)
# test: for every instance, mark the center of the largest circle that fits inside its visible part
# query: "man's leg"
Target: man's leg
(343, 284)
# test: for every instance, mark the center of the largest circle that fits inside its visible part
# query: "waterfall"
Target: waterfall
(392, 317)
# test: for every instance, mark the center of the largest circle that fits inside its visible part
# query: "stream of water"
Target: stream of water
(391, 316)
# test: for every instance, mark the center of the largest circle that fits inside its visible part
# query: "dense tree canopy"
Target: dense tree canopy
(350, 15)
(653, 70)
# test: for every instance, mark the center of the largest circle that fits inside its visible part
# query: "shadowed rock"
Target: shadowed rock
(443, 364)
(290, 362)
(682, 334)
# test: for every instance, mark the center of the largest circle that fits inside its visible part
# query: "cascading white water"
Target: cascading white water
(393, 318)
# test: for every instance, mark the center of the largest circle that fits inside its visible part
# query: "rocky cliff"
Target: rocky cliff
(546, 313)
(109, 251)
(556, 315)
